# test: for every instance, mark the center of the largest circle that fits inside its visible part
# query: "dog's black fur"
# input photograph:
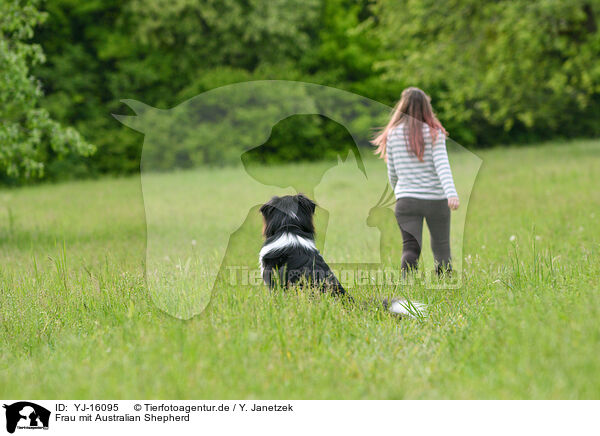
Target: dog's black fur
(289, 255)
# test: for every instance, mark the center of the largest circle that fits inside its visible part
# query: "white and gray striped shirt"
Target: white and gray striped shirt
(430, 179)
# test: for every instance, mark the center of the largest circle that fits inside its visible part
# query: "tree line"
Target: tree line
(504, 72)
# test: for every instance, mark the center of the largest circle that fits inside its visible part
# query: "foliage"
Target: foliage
(224, 32)
(507, 68)
(164, 52)
(500, 72)
(28, 136)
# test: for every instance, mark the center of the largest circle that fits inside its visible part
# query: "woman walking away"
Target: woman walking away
(414, 146)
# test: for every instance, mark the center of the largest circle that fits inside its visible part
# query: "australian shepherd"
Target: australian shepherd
(289, 255)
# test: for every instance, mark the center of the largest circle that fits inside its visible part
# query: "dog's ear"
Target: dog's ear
(268, 208)
(306, 203)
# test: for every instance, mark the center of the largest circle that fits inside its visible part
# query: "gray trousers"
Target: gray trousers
(410, 213)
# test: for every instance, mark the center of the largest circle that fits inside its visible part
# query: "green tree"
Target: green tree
(503, 69)
(162, 53)
(28, 136)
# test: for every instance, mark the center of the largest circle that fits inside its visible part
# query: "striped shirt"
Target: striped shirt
(428, 180)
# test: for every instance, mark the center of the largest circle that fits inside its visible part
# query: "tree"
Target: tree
(508, 68)
(28, 136)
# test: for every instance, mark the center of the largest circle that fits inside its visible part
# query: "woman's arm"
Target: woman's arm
(392, 175)
(442, 168)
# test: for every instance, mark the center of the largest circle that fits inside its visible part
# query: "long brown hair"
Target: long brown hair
(414, 108)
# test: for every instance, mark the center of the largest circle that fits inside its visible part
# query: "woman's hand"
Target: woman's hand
(453, 203)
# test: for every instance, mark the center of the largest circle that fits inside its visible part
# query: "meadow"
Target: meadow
(78, 321)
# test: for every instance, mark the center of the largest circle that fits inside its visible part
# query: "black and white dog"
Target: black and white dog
(289, 255)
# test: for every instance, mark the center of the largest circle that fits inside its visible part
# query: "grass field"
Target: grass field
(77, 321)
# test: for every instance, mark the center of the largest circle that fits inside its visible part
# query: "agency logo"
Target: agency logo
(26, 415)
(204, 230)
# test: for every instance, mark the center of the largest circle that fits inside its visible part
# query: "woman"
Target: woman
(414, 146)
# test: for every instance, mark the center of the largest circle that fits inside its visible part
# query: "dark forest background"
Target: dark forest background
(502, 72)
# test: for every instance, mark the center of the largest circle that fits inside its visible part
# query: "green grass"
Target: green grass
(77, 320)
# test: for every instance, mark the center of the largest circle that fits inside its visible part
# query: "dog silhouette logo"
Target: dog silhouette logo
(199, 216)
(26, 415)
